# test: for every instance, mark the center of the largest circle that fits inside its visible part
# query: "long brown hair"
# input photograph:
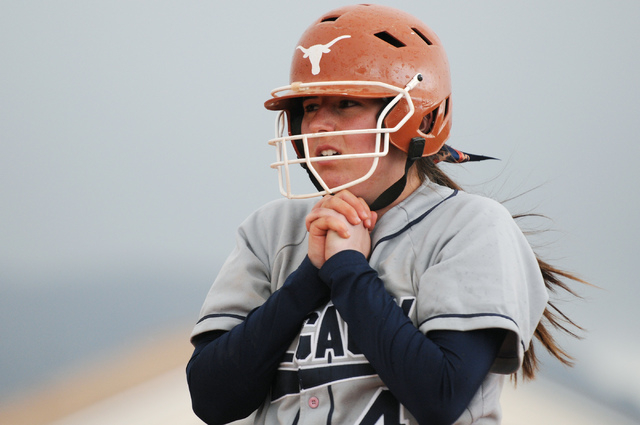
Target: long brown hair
(555, 279)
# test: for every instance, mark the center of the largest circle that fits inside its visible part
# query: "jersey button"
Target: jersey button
(314, 402)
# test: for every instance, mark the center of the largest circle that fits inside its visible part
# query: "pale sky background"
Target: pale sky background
(133, 143)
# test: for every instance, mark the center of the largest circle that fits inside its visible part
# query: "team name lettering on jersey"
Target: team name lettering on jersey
(324, 354)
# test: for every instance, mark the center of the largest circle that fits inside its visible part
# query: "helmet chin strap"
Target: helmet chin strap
(416, 149)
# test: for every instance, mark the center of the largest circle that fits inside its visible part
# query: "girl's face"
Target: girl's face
(337, 113)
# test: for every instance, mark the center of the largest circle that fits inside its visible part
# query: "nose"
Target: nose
(320, 120)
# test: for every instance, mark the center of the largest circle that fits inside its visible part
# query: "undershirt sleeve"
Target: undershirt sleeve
(434, 376)
(481, 274)
(230, 373)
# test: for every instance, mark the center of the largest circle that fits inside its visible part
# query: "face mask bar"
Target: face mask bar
(283, 163)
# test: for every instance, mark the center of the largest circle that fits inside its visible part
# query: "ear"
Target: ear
(427, 123)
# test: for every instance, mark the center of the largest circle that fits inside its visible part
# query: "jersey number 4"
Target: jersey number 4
(383, 409)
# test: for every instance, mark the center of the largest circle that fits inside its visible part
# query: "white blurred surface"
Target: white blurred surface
(162, 400)
(165, 401)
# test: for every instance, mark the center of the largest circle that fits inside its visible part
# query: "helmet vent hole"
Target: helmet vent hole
(422, 36)
(330, 19)
(446, 107)
(385, 36)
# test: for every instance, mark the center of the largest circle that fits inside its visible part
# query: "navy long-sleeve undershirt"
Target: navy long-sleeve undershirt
(230, 373)
(434, 376)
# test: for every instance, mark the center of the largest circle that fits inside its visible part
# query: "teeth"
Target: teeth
(328, 152)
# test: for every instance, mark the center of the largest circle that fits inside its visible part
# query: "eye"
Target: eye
(310, 105)
(348, 103)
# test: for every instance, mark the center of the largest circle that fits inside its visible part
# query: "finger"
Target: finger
(325, 219)
(370, 220)
(373, 220)
(338, 206)
(353, 208)
(322, 225)
(316, 213)
(368, 217)
(321, 202)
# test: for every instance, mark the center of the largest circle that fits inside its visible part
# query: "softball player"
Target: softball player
(396, 298)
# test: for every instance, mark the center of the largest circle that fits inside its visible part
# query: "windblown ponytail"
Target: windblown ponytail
(555, 279)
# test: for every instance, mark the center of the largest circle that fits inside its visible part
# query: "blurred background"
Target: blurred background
(133, 143)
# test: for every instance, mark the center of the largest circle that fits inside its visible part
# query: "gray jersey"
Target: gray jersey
(452, 261)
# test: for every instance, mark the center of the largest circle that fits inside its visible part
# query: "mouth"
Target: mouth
(329, 152)
(326, 151)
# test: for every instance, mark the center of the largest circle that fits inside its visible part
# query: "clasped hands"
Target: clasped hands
(337, 223)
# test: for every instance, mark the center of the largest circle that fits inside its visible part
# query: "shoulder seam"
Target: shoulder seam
(413, 222)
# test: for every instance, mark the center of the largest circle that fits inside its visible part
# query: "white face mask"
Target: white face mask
(286, 158)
